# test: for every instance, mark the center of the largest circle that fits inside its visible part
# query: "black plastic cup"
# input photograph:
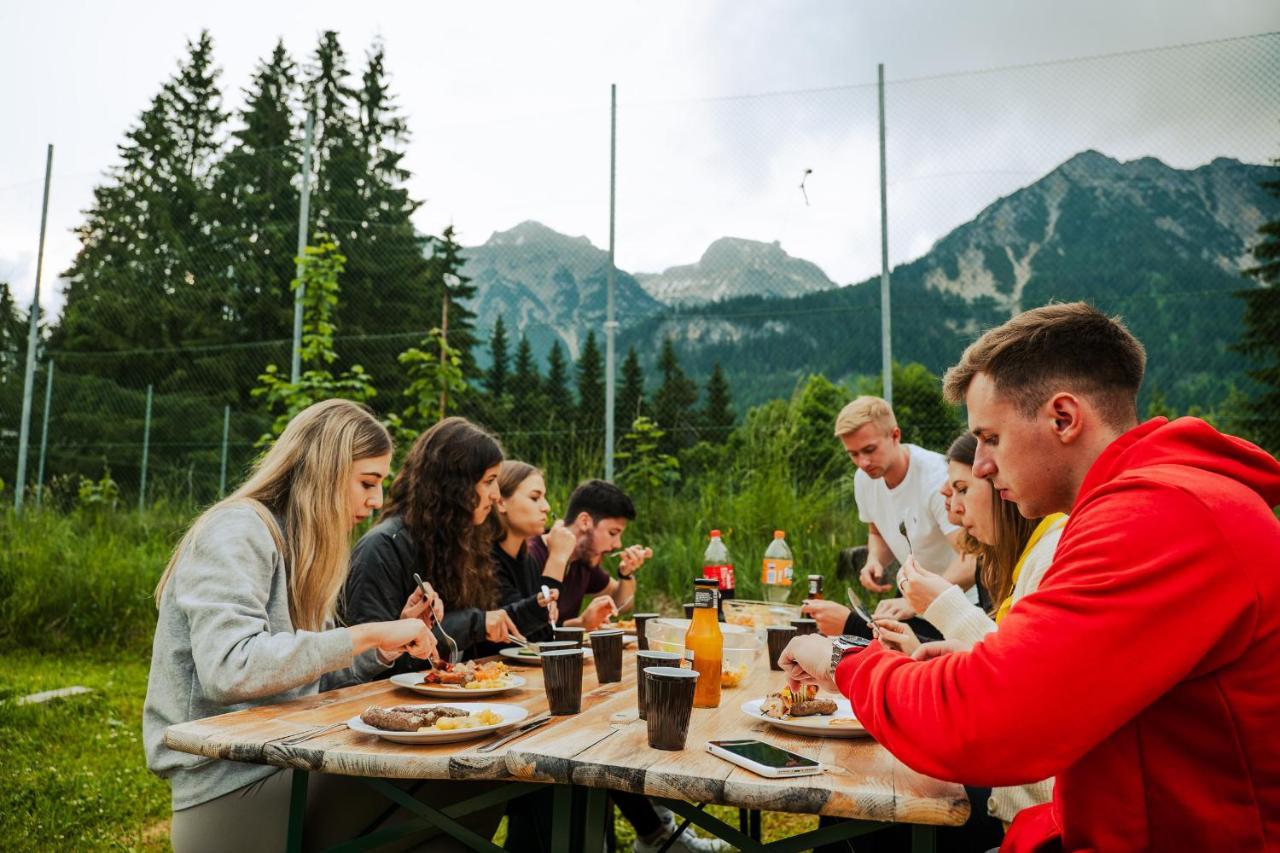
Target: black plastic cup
(562, 678)
(668, 705)
(804, 626)
(574, 634)
(688, 610)
(649, 658)
(778, 636)
(642, 642)
(552, 645)
(606, 648)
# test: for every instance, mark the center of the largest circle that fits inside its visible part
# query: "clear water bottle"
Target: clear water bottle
(777, 569)
(718, 566)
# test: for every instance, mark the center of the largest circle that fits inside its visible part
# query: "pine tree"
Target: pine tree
(557, 386)
(1261, 338)
(13, 338)
(630, 401)
(527, 398)
(257, 201)
(496, 376)
(147, 274)
(590, 381)
(444, 273)
(717, 417)
(674, 401)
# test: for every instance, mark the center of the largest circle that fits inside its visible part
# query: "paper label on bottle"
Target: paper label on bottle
(705, 598)
(723, 574)
(776, 572)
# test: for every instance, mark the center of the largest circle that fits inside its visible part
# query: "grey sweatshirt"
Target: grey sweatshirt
(225, 641)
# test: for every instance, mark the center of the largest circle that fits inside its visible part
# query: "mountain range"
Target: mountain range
(1161, 246)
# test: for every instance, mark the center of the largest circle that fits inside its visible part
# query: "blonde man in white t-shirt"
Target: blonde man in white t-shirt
(896, 485)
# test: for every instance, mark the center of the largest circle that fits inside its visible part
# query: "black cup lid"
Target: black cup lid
(781, 627)
(562, 652)
(607, 632)
(656, 655)
(670, 673)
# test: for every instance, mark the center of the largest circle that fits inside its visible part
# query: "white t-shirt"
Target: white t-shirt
(918, 502)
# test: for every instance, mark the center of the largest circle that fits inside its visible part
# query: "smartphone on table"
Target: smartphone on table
(764, 758)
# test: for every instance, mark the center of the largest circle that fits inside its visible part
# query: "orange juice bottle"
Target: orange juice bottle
(704, 644)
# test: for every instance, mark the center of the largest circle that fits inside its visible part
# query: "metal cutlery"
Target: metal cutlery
(454, 655)
(523, 729)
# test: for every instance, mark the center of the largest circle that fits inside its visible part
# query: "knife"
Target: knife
(522, 730)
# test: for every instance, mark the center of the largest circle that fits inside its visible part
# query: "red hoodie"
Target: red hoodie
(1144, 673)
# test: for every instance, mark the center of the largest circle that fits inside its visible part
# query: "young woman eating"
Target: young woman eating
(1013, 555)
(434, 526)
(520, 514)
(246, 617)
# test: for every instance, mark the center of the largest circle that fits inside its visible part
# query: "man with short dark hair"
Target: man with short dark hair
(1144, 673)
(598, 514)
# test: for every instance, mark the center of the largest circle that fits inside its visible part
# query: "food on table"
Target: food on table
(844, 722)
(731, 676)
(469, 676)
(427, 718)
(746, 620)
(471, 721)
(407, 718)
(803, 703)
(623, 625)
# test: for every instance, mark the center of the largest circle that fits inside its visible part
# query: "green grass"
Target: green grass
(72, 772)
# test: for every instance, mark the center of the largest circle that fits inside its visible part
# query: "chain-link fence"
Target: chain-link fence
(748, 234)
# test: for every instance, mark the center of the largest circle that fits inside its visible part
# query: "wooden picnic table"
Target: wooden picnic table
(604, 748)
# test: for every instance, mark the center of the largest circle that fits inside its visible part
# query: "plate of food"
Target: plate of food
(435, 723)
(464, 679)
(627, 626)
(806, 713)
(519, 654)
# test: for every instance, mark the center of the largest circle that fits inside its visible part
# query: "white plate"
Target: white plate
(510, 714)
(817, 726)
(513, 652)
(413, 681)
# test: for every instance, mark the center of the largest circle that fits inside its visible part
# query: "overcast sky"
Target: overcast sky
(508, 107)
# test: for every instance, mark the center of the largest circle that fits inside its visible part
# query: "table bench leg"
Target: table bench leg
(297, 811)
(923, 839)
(562, 819)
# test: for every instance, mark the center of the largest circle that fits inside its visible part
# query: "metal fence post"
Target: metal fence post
(44, 434)
(226, 433)
(610, 323)
(304, 214)
(146, 447)
(28, 382)
(886, 345)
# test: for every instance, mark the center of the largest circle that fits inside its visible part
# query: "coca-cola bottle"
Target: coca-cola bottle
(717, 565)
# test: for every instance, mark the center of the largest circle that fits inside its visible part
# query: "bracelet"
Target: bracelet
(623, 577)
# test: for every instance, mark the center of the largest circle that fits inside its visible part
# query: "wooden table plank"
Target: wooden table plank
(863, 780)
(605, 746)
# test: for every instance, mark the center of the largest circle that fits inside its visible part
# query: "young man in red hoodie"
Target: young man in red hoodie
(1144, 673)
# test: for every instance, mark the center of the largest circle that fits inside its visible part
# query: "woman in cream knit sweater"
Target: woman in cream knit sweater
(1013, 555)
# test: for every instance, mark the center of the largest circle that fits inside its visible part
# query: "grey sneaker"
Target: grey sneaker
(687, 843)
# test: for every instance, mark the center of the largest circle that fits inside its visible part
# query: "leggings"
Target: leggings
(256, 817)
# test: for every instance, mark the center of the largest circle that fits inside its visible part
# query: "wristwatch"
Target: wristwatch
(845, 644)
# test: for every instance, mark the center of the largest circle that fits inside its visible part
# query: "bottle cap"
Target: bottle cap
(715, 534)
(779, 534)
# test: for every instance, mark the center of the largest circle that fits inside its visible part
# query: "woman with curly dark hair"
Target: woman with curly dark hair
(434, 525)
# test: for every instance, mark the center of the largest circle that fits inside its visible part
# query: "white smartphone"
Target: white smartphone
(763, 758)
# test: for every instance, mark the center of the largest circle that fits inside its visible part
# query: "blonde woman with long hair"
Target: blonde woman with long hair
(246, 618)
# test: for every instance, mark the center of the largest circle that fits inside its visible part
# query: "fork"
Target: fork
(902, 528)
(454, 655)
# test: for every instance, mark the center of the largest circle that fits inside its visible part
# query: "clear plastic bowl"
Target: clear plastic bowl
(759, 614)
(742, 645)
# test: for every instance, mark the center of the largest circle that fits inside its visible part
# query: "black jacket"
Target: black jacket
(519, 582)
(381, 581)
